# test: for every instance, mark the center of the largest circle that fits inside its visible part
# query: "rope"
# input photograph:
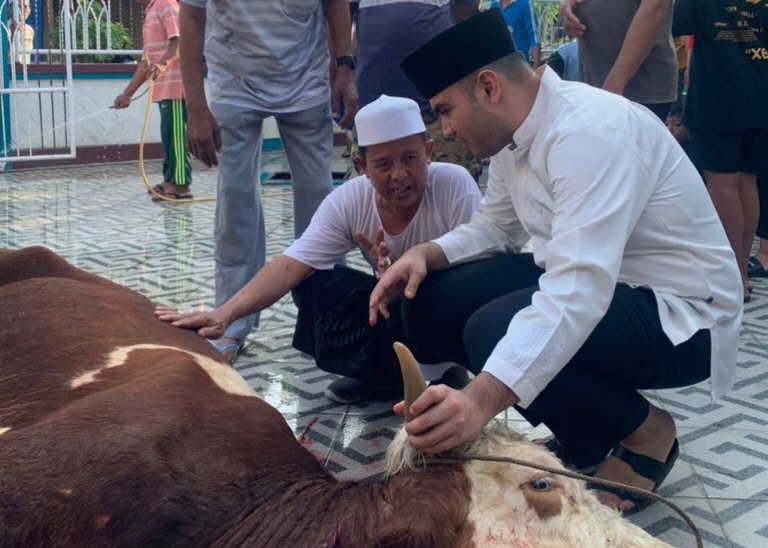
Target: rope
(575, 475)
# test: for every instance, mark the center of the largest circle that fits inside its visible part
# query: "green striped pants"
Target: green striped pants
(173, 132)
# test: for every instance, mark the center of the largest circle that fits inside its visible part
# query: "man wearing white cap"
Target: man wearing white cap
(400, 201)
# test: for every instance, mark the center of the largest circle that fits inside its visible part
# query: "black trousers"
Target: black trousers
(332, 326)
(459, 314)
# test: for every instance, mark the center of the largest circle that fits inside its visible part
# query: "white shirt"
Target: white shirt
(450, 197)
(607, 196)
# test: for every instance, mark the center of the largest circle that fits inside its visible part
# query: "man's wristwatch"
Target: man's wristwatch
(346, 61)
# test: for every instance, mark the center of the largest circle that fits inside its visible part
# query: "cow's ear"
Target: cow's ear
(427, 509)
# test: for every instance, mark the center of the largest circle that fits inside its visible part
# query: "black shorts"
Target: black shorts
(728, 151)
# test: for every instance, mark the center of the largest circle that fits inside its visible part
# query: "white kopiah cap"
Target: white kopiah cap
(387, 119)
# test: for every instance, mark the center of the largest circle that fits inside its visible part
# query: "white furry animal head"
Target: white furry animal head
(517, 506)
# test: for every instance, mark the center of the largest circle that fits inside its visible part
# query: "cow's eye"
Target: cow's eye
(541, 484)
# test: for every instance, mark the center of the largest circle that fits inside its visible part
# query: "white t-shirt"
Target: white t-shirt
(606, 195)
(450, 197)
(271, 56)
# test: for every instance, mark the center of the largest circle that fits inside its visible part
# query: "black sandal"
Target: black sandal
(647, 467)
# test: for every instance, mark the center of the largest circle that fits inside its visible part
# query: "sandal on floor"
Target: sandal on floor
(158, 188)
(647, 467)
(755, 268)
(167, 194)
(228, 351)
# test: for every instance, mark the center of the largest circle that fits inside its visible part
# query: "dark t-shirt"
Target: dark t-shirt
(386, 34)
(728, 80)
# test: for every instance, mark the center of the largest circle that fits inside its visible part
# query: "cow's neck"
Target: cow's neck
(323, 512)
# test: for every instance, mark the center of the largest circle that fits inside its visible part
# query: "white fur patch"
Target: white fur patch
(4, 429)
(506, 510)
(224, 376)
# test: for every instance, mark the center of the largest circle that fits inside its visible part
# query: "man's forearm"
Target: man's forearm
(641, 34)
(491, 395)
(268, 286)
(434, 256)
(191, 43)
(138, 78)
(171, 53)
(339, 27)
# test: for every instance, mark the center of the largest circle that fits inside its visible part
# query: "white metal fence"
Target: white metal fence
(37, 109)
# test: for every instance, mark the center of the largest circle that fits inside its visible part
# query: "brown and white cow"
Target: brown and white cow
(119, 430)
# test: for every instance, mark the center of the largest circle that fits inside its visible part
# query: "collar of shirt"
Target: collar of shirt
(523, 136)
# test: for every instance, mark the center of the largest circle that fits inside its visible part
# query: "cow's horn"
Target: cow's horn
(413, 381)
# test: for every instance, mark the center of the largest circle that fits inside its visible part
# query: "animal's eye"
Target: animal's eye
(541, 484)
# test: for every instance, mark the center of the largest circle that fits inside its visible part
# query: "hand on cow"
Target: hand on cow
(377, 250)
(207, 324)
(444, 418)
(572, 24)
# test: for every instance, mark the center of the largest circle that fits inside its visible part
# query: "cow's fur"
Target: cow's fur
(119, 430)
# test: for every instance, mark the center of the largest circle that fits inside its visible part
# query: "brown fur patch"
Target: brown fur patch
(547, 504)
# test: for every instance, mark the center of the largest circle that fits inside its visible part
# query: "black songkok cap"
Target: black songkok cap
(458, 51)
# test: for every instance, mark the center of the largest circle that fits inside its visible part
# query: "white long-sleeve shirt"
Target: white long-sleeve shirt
(606, 195)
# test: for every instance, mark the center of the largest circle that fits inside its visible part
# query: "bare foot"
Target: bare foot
(654, 438)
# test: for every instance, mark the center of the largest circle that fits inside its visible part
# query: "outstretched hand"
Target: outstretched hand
(207, 324)
(401, 278)
(378, 252)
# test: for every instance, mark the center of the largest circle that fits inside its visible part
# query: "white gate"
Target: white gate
(37, 120)
(36, 93)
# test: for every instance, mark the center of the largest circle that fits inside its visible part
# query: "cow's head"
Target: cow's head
(514, 505)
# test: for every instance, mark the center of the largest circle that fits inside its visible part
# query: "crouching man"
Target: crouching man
(632, 284)
(401, 200)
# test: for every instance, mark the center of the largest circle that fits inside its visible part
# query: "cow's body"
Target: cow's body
(117, 429)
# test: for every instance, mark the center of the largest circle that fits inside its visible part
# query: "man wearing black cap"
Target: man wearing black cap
(631, 284)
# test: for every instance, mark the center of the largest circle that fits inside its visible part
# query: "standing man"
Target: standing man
(626, 47)
(264, 59)
(159, 61)
(631, 285)
(387, 31)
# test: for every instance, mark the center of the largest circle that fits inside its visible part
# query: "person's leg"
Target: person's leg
(725, 191)
(593, 404)
(182, 156)
(750, 203)
(332, 326)
(176, 166)
(718, 155)
(307, 138)
(434, 320)
(240, 243)
(755, 160)
(762, 225)
(166, 137)
(626, 351)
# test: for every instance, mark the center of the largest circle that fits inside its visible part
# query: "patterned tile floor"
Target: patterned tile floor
(100, 218)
